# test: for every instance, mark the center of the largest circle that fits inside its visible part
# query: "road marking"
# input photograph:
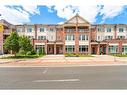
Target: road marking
(45, 70)
(63, 80)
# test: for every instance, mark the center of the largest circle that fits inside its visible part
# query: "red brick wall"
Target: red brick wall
(1, 42)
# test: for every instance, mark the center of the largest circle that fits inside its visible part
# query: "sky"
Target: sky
(58, 11)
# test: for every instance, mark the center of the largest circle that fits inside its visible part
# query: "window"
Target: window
(99, 29)
(29, 29)
(99, 37)
(108, 37)
(113, 49)
(51, 30)
(121, 29)
(70, 48)
(70, 37)
(42, 29)
(108, 29)
(19, 30)
(41, 37)
(51, 37)
(124, 49)
(39, 47)
(121, 37)
(83, 48)
(83, 37)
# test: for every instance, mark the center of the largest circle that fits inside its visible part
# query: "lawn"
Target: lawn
(120, 55)
(77, 55)
(22, 57)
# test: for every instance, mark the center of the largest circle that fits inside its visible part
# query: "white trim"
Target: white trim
(114, 44)
(69, 42)
(39, 43)
(83, 42)
(124, 44)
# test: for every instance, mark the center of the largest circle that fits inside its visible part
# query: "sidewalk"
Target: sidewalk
(58, 60)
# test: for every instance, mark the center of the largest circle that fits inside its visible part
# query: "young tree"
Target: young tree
(25, 44)
(12, 42)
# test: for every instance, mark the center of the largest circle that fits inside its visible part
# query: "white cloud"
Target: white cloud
(110, 11)
(18, 15)
(65, 9)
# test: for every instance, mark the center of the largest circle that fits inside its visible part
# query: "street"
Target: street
(81, 77)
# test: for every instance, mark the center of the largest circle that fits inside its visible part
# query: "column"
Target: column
(45, 48)
(120, 47)
(55, 48)
(107, 49)
(89, 49)
(98, 49)
(76, 40)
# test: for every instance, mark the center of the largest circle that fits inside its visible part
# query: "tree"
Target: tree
(12, 42)
(25, 44)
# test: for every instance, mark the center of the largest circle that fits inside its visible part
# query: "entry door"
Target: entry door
(93, 50)
(50, 50)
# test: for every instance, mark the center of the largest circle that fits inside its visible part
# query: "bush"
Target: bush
(40, 51)
(22, 52)
(29, 53)
(33, 52)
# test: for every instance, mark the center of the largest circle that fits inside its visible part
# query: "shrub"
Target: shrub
(29, 53)
(40, 51)
(22, 52)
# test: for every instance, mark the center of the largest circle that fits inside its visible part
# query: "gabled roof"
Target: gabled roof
(77, 19)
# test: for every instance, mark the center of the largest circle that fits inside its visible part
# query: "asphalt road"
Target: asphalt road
(85, 77)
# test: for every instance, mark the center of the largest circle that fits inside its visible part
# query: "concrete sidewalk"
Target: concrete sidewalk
(57, 60)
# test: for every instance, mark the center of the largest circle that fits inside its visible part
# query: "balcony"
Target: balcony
(70, 30)
(83, 30)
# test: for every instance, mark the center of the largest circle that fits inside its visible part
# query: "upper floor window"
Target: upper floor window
(121, 29)
(41, 37)
(121, 37)
(83, 37)
(19, 29)
(42, 29)
(108, 29)
(108, 37)
(70, 37)
(29, 29)
(99, 29)
(51, 30)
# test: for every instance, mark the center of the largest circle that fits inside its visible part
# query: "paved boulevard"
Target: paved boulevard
(85, 77)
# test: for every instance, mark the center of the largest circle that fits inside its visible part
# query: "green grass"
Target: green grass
(77, 55)
(22, 57)
(119, 55)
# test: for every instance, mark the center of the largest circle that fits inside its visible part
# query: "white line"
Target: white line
(64, 80)
(45, 70)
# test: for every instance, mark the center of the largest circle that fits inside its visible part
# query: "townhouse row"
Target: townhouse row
(74, 36)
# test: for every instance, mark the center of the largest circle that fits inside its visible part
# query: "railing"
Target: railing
(83, 30)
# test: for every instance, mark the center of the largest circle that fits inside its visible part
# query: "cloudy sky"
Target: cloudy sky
(58, 11)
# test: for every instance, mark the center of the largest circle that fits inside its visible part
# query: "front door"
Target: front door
(59, 50)
(93, 50)
(50, 50)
